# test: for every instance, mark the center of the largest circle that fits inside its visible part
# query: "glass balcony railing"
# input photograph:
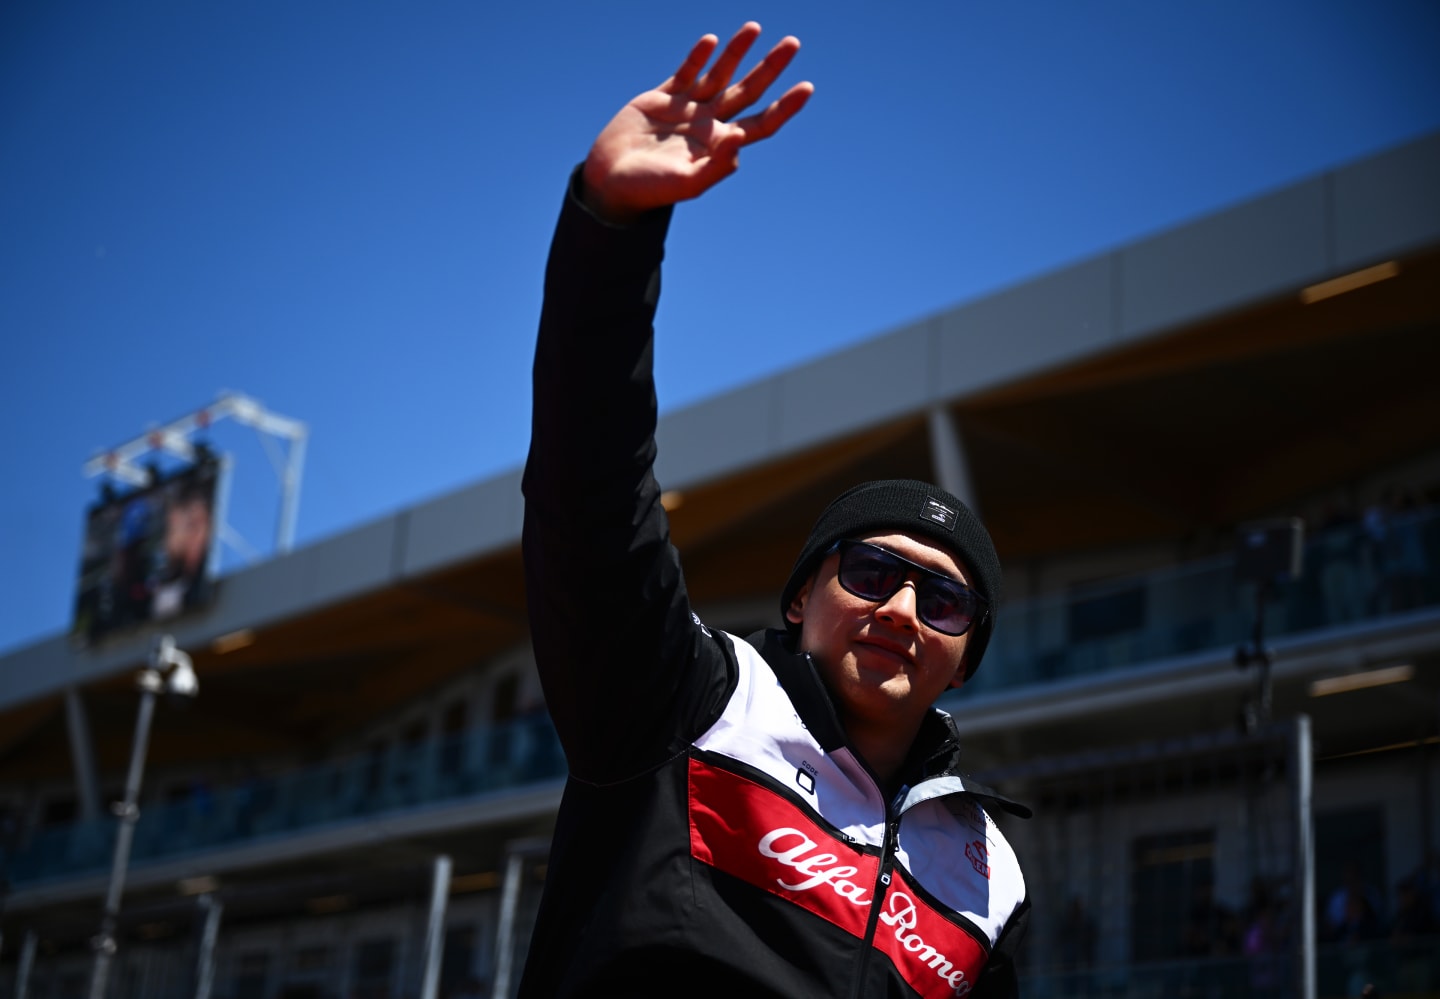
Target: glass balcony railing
(1353, 573)
(399, 777)
(1356, 573)
(1194, 978)
(1394, 963)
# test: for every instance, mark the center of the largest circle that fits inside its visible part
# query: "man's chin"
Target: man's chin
(888, 683)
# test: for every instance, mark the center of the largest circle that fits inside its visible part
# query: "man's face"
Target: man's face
(882, 664)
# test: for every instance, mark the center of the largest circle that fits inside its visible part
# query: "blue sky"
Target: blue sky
(342, 209)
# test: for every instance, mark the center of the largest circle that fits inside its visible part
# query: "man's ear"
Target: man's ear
(795, 613)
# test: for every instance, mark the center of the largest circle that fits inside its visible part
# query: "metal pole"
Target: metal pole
(128, 812)
(1264, 689)
(505, 932)
(82, 753)
(1303, 764)
(205, 966)
(290, 495)
(27, 962)
(435, 933)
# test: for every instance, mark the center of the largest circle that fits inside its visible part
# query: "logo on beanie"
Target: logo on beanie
(939, 512)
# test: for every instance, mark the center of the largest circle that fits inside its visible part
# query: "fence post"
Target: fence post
(205, 975)
(1302, 763)
(27, 963)
(435, 933)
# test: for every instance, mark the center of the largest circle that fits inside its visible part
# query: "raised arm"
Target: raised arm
(622, 663)
(677, 141)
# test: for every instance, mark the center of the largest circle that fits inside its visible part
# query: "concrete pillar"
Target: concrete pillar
(947, 457)
(82, 756)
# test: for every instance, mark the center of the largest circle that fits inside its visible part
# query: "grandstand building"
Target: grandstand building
(368, 703)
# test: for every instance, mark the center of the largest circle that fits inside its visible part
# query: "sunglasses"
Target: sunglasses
(874, 573)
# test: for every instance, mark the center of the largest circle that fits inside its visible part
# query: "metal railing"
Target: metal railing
(1353, 573)
(1396, 966)
(402, 776)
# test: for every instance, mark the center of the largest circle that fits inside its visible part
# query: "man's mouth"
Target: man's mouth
(890, 650)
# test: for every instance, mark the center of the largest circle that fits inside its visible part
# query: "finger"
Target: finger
(766, 123)
(758, 80)
(723, 160)
(718, 77)
(689, 69)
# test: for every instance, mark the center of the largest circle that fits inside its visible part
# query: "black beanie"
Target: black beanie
(911, 507)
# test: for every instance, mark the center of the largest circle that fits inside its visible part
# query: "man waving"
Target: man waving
(778, 816)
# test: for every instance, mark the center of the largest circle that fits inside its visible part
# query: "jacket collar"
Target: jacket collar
(935, 752)
(802, 683)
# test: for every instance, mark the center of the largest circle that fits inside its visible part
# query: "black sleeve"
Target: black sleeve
(998, 979)
(627, 671)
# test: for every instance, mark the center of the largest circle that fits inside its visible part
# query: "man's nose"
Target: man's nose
(898, 609)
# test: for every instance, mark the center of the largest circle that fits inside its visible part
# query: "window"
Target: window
(1349, 859)
(311, 959)
(73, 984)
(251, 974)
(59, 812)
(374, 766)
(1173, 911)
(311, 969)
(504, 703)
(1101, 615)
(457, 966)
(452, 747)
(374, 968)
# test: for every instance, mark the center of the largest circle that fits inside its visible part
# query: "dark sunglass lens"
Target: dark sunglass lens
(869, 572)
(946, 607)
(873, 573)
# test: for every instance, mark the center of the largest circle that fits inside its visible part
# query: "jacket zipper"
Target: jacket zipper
(887, 849)
(882, 885)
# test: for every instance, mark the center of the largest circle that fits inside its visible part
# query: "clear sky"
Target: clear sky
(342, 208)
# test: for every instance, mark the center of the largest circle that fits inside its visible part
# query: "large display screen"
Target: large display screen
(147, 554)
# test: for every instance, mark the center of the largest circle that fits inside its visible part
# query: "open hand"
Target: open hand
(677, 141)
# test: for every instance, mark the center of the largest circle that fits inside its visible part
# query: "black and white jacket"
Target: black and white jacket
(717, 836)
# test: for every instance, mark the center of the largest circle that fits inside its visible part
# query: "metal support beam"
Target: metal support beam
(174, 438)
(435, 930)
(947, 458)
(516, 854)
(164, 657)
(205, 962)
(27, 964)
(290, 494)
(129, 813)
(82, 756)
(1302, 763)
(505, 930)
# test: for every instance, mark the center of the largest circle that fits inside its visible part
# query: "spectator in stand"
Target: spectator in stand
(1263, 943)
(1413, 936)
(1211, 930)
(1405, 561)
(1344, 915)
(1338, 567)
(1356, 929)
